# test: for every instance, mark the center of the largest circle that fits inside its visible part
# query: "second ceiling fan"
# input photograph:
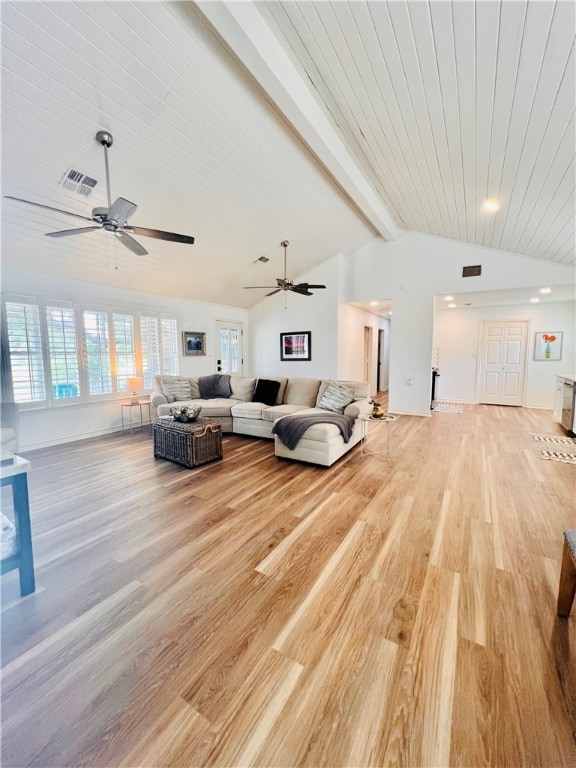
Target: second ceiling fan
(284, 284)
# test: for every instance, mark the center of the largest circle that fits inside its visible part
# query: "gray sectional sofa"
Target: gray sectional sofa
(240, 413)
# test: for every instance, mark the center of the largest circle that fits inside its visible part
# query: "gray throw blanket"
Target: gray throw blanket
(291, 428)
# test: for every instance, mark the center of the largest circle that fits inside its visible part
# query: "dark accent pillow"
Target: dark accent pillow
(266, 391)
(216, 385)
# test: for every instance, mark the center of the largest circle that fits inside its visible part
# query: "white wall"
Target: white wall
(49, 426)
(288, 312)
(351, 324)
(410, 272)
(458, 334)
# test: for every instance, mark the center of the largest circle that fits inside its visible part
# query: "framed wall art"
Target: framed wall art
(548, 345)
(296, 346)
(193, 343)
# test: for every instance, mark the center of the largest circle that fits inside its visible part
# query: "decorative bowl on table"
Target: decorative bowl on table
(185, 413)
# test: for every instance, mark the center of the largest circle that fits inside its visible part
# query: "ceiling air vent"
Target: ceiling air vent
(78, 182)
(474, 271)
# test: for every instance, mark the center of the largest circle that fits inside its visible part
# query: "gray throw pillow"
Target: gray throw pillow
(336, 398)
(216, 385)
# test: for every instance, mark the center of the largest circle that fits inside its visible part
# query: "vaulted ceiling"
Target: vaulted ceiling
(324, 123)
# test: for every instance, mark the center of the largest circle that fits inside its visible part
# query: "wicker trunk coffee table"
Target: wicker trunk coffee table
(189, 444)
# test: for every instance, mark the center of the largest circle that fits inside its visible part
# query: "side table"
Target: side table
(14, 472)
(189, 444)
(130, 406)
(364, 451)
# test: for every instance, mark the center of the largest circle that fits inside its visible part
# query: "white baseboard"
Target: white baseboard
(75, 438)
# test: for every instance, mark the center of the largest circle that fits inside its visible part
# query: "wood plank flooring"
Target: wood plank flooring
(260, 612)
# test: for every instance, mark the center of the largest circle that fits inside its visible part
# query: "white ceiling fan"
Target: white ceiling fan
(284, 284)
(114, 218)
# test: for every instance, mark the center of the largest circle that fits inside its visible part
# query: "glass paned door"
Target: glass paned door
(229, 354)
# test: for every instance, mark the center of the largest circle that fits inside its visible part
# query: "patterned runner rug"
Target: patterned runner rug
(558, 448)
(448, 408)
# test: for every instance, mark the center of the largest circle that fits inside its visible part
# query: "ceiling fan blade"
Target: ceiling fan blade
(302, 289)
(120, 211)
(129, 242)
(273, 292)
(160, 235)
(313, 286)
(67, 232)
(49, 208)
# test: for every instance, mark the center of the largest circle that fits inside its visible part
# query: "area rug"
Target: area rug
(448, 408)
(556, 439)
(559, 448)
(566, 458)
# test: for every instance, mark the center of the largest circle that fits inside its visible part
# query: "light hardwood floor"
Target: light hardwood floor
(261, 612)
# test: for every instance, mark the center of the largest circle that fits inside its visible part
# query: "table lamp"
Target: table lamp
(134, 384)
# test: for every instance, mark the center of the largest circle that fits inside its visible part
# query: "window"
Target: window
(25, 343)
(159, 337)
(97, 344)
(62, 345)
(124, 349)
(62, 353)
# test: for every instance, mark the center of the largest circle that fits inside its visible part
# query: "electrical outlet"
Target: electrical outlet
(410, 381)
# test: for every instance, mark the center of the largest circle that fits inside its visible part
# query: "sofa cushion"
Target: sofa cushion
(176, 389)
(360, 388)
(248, 410)
(217, 406)
(302, 392)
(276, 411)
(335, 398)
(321, 432)
(216, 385)
(266, 391)
(242, 387)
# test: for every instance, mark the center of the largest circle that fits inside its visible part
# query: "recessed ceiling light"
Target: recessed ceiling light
(452, 306)
(390, 312)
(373, 303)
(535, 300)
(491, 205)
(448, 298)
(545, 290)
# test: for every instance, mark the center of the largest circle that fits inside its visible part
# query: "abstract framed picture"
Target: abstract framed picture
(296, 346)
(548, 345)
(193, 343)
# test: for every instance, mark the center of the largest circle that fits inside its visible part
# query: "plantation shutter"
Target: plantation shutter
(62, 348)
(25, 344)
(97, 343)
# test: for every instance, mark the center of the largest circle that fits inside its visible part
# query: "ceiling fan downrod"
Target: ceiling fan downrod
(106, 140)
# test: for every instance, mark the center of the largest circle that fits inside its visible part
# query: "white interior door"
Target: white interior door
(503, 362)
(229, 351)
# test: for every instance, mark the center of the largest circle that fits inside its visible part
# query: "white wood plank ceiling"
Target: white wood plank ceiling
(441, 105)
(448, 104)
